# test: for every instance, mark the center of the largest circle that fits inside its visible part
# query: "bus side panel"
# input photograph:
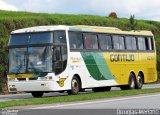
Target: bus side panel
(148, 66)
(121, 64)
(79, 67)
(98, 69)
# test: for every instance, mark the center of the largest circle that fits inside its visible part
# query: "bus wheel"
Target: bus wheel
(139, 82)
(75, 86)
(37, 94)
(131, 83)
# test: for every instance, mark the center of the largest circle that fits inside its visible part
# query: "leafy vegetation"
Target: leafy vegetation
(10, 21)
(132, 22)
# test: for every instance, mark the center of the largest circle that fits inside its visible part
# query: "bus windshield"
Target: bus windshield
(30, 60)
(33, 52)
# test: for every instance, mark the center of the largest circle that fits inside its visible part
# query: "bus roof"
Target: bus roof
(83, 28)
(40, 29)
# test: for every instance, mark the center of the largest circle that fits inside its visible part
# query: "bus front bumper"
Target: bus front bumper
(29, 86)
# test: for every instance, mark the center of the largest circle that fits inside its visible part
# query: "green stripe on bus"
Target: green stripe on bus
(96, 65)
(103, 66)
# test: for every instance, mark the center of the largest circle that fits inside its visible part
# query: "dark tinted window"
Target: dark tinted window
(105, 42)
(59, 37)
(118, 42)
(30, 38)
(131, 43)
(150, 43)
(141, 43)
(75, 40)
(91, 41)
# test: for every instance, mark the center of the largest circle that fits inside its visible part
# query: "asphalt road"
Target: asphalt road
(141, 103)
(28, 95)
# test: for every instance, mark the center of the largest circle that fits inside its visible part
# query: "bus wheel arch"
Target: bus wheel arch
(140, 80)
(76, 85)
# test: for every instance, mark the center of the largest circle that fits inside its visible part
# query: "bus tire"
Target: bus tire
(139, 81)
(131, 83)
(37, 94)
(75, 86)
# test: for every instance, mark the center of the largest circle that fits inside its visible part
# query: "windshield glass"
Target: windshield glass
(30, 38)
(30, 60)
(40, 59)
(17, 59)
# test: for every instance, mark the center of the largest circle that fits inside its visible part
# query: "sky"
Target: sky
(142, 9)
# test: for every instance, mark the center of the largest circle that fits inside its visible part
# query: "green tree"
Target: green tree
(132, 22)
(3, 65)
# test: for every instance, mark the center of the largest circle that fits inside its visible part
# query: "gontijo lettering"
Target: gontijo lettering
(122, 58)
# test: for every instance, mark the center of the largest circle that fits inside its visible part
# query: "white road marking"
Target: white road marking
(100, 101)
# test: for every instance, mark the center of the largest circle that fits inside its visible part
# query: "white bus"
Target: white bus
(73, 58)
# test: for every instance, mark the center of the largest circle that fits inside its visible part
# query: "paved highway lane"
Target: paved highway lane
(136, 102)
(97, 107)
(28, 95)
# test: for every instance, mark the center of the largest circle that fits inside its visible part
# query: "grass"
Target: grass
(80, 97)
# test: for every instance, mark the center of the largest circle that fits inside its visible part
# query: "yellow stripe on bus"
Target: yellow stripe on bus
(20, 75)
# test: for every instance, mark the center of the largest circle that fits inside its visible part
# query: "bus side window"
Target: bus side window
(91, 41)
(150, 43)
(105, 42)
(131, 43)
(141, 43)
(75, 40)
(118, 42)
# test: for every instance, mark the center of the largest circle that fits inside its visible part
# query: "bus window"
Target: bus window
(141, 43)
(118, 42)
(130, 43)
(150, 43)
(91, 41)
(75, 40)
(105, 42)
(59, 37)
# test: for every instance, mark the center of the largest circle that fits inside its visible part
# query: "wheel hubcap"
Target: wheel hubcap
(75, 85)
(139, 81)
(132, 83)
